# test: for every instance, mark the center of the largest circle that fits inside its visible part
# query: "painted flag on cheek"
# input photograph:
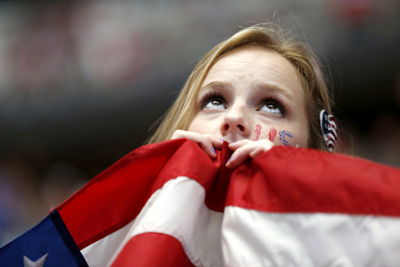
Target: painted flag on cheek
(169, 204)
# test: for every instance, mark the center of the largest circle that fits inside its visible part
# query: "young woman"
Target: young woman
(257, 89)
(159, 206)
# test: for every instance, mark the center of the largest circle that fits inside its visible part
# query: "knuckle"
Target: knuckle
(178, 133)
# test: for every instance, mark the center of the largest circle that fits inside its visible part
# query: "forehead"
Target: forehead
(257, 64)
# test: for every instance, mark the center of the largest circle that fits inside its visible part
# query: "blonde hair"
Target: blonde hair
(271, 37)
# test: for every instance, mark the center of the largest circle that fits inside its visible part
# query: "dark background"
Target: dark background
(82, 82)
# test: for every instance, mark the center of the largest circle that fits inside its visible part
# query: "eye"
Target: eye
(272, 108)
(213, 101)
(273, 105)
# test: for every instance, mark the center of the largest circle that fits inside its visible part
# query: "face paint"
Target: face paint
(258, 131)
(282, 136)
(272, 134)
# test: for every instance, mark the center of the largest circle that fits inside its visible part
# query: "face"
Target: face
(252, 93)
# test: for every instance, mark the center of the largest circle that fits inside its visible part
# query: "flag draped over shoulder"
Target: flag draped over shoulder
(169, 204)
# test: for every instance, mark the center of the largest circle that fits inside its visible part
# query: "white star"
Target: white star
(39, 263)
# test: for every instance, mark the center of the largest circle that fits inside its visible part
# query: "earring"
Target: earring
(328, 129)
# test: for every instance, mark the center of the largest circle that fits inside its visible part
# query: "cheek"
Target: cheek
(195, 125)
(302, 140)
(286, 137)
(293, 138)
(272, 134)
(301, 135)
(203, 125)
(258, 131)
(266, 132)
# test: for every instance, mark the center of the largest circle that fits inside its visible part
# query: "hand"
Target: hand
(244, 149)
(206, 141)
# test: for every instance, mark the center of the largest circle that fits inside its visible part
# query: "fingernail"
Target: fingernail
(229, 160)
(213, 150)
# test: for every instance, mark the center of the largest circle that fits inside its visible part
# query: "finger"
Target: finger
(238, 144)
(178, 134)
(197, 137)
(208, 148)
(244, 150)
(209, 143)
(263, 146)
(239, 156)
(206, 142)
(257, 151)
(215, 141)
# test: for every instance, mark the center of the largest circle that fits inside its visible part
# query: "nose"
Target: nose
(237, 121)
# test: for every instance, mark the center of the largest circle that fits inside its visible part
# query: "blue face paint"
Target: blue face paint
(282, 135)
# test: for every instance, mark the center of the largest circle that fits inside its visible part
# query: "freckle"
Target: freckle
(272, 134)
(258, 131)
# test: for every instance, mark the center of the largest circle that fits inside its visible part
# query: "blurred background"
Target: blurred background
(82, 82)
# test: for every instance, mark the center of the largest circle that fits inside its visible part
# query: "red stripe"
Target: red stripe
(287, 179)
(152, 249)
(116, 196)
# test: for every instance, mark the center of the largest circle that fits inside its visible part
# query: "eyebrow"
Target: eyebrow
(268, 86)
(260, 86)
(216, 84)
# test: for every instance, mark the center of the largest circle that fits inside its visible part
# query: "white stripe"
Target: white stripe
(333, 131)
(331, 137)
(178, 210)
(100, 253)
(332, 124)
(252, 238)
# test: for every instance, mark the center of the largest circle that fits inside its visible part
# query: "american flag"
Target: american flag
(169, 204)
(329, 129)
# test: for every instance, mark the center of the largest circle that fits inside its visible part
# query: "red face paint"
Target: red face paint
(272, 134)
(258, 131)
